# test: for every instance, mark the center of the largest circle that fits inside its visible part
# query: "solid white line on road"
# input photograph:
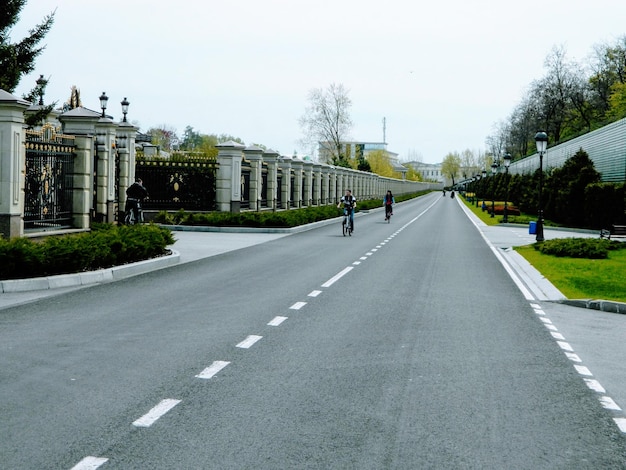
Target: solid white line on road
(89, 463)
(582, 370)
(277, 321)
(212, 369)
(609, 404)
(621, 424)
(337, 276)
(565, 346)
(557, 335)
(297, 305)
(594, 385)
(249, 341)
(155, 413)
(315, 293)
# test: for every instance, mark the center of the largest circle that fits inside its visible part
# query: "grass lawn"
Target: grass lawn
(482, 215)
(577, 278)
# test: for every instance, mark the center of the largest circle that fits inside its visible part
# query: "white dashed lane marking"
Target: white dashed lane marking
(277, 321)
(212, 369)
(297, 305)
(607, 402)
(249, 341)
(337, 276)
(89, 463)
(155, 413)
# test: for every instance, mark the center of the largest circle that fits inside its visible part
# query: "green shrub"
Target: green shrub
(105, 246)
(269, 219)
(591, 248)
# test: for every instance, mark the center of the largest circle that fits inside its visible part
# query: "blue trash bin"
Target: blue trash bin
(532, 228)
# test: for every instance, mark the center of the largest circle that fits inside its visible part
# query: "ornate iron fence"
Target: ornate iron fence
(178, 185)
(48, 179)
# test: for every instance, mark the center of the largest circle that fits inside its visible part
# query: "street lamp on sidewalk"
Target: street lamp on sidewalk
(507, 162)
(494, 169)
(541, 139)
(477, 179)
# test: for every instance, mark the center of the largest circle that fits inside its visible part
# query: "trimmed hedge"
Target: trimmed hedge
(105, 246)
(281, 219)
(591, 248)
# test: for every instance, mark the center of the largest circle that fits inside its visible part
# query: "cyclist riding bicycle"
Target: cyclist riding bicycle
(349, 204)
(135, 194)
(388, 202)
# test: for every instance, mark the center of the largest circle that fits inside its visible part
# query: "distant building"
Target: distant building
(354, 149)
(429, 171)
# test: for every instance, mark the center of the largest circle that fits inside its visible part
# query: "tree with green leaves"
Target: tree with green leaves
(18, 59)
(450, 166)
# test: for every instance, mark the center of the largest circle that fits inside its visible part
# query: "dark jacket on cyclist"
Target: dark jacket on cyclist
(349, 203)
(137, 191)
(388, 202)
(135, 194)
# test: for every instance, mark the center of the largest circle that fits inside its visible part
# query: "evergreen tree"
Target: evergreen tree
(18, 59)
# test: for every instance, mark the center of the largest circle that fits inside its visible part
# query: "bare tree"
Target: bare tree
(327, 122)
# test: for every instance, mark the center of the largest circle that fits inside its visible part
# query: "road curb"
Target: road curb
(91, 277)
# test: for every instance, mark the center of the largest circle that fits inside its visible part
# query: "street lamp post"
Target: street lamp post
(494, 168)
(541, 139)
(124, 104)
(507, 162)
(484, 175)
(477, 179)
(103, 103)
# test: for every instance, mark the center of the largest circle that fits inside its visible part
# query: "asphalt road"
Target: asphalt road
(405, 346)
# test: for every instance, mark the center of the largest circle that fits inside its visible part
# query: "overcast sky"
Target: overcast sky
(441, 73)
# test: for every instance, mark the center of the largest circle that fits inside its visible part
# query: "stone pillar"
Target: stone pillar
(82, 198)
(255, 155)
(297, 165)
(228, 184)
(81, 122)
(325, 194)
(308, 183)
(125, 144)
(317, 184)
(285, 166)
(105, 153)
(12, 164)
(332, 176)
(271, 158)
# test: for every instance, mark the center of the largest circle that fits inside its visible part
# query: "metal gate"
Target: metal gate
(48, 180)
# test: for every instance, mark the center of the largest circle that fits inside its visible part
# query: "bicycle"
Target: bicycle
(346, 223)
(388, 213)
(134, 214)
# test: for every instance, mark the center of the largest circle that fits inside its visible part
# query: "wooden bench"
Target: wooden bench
(617, 231)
